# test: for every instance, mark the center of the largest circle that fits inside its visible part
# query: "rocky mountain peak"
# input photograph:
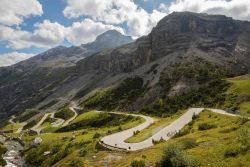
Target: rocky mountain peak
(109, 39)
(183, 22)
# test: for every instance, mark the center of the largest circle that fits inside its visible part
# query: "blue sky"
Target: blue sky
(53, 11)
(29, 27)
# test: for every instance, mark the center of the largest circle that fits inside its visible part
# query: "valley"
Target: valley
(177, 97)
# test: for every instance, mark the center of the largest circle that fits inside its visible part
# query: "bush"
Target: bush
(2, 151)
(228, 130)
(184, 131)
(65, 114)
(173, 156)
(83, 152)
(96, 135)
(195, 116)
(231, 151)
(244, 139)
(76, 162)
(136, 132)
(188, 143)
(206, 126)
(138, 163)
(242, 120)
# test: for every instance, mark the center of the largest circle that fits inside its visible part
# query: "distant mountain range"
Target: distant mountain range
(180, 50)
(64, 57)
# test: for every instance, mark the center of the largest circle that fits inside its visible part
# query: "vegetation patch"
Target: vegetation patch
(3, 150)
(64, 113)
(121, 96)
(206, 126)
(209, 95)
(101, 120)
(26, 115)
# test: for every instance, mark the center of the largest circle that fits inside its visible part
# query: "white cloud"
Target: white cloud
(87, 30)
(48, 34)
(45, 35)
(238, 9)
(11, 58)
(138, 20)
(12, 12)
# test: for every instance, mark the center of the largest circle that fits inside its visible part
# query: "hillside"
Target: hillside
(185, 52)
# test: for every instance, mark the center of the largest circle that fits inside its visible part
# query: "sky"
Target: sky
(29, 27)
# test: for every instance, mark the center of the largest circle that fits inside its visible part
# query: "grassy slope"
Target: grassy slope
(240, 87)
(81, 139)
(13, 127)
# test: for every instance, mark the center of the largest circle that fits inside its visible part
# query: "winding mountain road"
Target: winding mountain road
(38, 127)
(73, 109)
(117, 141)
(58, 121)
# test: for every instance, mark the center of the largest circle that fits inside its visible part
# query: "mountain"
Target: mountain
(64, 57)
(185, 51)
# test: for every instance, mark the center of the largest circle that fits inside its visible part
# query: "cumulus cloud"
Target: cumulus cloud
(11, 58)
(13, 12)
(138, 20)
(87, 30)
(45, 35)
(238, 9)
(48, 34)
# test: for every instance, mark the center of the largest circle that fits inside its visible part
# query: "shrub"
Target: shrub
(228, 130)
(96, 135)
(83, 152)
(136, 132)
(231, 151)
(206, 126)
(173, 156)
(2, 151)
(242, 120)
(138, 163)
(186, 130)
(244, 139)
(76, 162)
(188, 143)
(195, 116)
(64, 113)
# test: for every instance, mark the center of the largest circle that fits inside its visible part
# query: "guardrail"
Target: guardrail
(109, 147)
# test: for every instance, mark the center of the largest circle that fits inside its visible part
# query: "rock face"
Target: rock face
(179, 38)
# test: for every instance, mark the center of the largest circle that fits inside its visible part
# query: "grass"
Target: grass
(86, 116)
(153, 128)
(240, 85)
(245, 107)
(12, 127)
(64, 113)
(239, 94)
(78, 139)
(207, 146)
